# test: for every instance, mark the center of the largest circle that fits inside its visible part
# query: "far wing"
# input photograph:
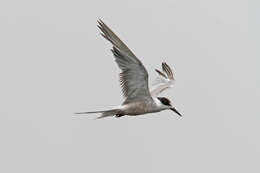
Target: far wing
(134, 77)
(164, 81)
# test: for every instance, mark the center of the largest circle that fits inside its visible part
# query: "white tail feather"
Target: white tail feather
(106, 113)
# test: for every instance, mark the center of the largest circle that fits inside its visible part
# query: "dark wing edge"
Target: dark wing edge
(108, 34)
(167, 71)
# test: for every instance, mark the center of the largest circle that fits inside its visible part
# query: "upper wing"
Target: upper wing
(164, 81)
(134, 77)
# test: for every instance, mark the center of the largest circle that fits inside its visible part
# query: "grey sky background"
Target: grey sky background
(53, 62)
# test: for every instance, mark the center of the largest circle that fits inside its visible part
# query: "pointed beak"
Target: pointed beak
(174, 110)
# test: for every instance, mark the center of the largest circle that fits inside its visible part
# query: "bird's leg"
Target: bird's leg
(119, 115)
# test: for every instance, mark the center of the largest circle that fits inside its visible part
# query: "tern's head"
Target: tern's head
(167, 102)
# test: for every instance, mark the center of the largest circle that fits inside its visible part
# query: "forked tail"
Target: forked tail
(107, 113)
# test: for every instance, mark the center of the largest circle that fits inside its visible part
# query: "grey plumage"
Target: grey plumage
(134, 76)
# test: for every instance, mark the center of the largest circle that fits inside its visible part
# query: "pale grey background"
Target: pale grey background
(53, 62)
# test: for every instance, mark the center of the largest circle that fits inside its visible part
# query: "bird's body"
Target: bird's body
(134, 82)
(142, 106)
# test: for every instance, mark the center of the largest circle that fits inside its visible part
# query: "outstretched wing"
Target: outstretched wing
(134, 77)
(164, 81)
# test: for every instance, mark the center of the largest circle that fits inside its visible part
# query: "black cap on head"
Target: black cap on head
(165, 101)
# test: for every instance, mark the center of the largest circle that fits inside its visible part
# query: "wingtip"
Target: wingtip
(161, 73)
(100, 23)
(166, 68)
(99, 20)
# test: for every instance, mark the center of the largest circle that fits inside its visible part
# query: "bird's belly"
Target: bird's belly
(138, 109)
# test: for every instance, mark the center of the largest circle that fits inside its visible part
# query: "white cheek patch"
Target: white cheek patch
(157, 101)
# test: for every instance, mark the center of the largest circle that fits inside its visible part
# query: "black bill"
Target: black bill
(174, 110)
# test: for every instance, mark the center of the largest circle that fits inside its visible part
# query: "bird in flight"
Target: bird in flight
(134, 82)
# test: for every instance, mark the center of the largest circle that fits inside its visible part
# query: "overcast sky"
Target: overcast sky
(53, 62)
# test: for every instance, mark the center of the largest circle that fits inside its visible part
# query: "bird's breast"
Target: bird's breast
(137, 108)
